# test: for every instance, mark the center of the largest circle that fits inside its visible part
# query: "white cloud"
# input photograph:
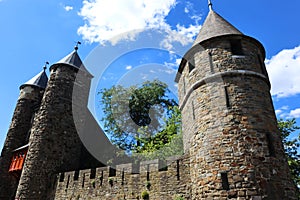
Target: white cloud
(295, 113)
(126, 19)
(182, 35)
(68, 8)
(104, 21)
(128, 67)
(186, 10)
(284, 72)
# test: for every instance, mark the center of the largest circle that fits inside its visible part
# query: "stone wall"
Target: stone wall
(128, 183)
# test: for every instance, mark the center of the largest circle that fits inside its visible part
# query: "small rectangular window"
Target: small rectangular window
(225, 183)
(270, 145)
(211, 64)
(236, 47)
(227, 97)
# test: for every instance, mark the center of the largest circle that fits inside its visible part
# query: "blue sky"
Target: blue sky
(34, 31)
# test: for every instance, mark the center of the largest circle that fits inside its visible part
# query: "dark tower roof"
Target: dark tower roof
(40, 80)
(214, 26)
(73, 60)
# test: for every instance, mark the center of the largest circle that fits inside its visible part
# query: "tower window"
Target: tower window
(211, 64)
(236, 47)
(227, 97)
(225, 183)
(270, 145)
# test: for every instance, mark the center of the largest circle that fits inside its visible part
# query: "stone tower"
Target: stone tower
(54, 145)
(29, 101)
(228, 119)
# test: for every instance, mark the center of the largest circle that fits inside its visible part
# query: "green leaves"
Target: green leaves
(291, 146)
(140, 119)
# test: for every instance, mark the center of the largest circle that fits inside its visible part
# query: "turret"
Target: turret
(54, 143)
(229, 124)
(12, 155)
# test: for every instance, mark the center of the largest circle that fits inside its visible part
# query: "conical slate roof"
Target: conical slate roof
(215, 25)
(40, 80)
(73, 60)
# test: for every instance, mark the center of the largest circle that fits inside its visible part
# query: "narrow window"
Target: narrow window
(83, 179)
(93, 173)
(227, 97)
(225, 183)
(270, 144)
(76, 175)
(236, 47)
(101, 178)
(148, 173)
(68, 181)
(177, 168)
(191, 64)
(211, 64)
(123, 175)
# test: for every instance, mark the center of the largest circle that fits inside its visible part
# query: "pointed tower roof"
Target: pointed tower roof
(73, 60)
(40, 80)
(214, 26)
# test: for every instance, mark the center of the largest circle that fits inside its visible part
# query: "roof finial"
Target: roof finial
(76, 46)
(45, 66)
(210, 4)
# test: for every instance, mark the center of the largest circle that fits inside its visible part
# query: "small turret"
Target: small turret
(18, 134)
(54, 143)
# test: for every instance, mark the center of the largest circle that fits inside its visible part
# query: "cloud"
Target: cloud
(295, 113)
(285, 112)
(126, 19)
(104, 21)
(68, 8)
(284, 72)
(129, 67)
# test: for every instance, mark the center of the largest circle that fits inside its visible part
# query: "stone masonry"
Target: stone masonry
(232, 146)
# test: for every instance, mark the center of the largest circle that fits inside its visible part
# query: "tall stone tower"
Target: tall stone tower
(29, 101)
(54, 145)
(228, 119)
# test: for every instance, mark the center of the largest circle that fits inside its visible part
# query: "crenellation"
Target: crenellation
(160, 184)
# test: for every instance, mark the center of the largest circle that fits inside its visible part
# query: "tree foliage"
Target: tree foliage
(140, 118)
(291, 145)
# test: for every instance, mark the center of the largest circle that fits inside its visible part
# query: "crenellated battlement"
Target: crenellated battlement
(127, 181)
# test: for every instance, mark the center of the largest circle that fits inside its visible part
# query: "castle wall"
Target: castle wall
(230, 125)
(162, 185)
(17, 136)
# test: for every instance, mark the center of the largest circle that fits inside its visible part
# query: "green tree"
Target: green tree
(136, 116)
(291, 146)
